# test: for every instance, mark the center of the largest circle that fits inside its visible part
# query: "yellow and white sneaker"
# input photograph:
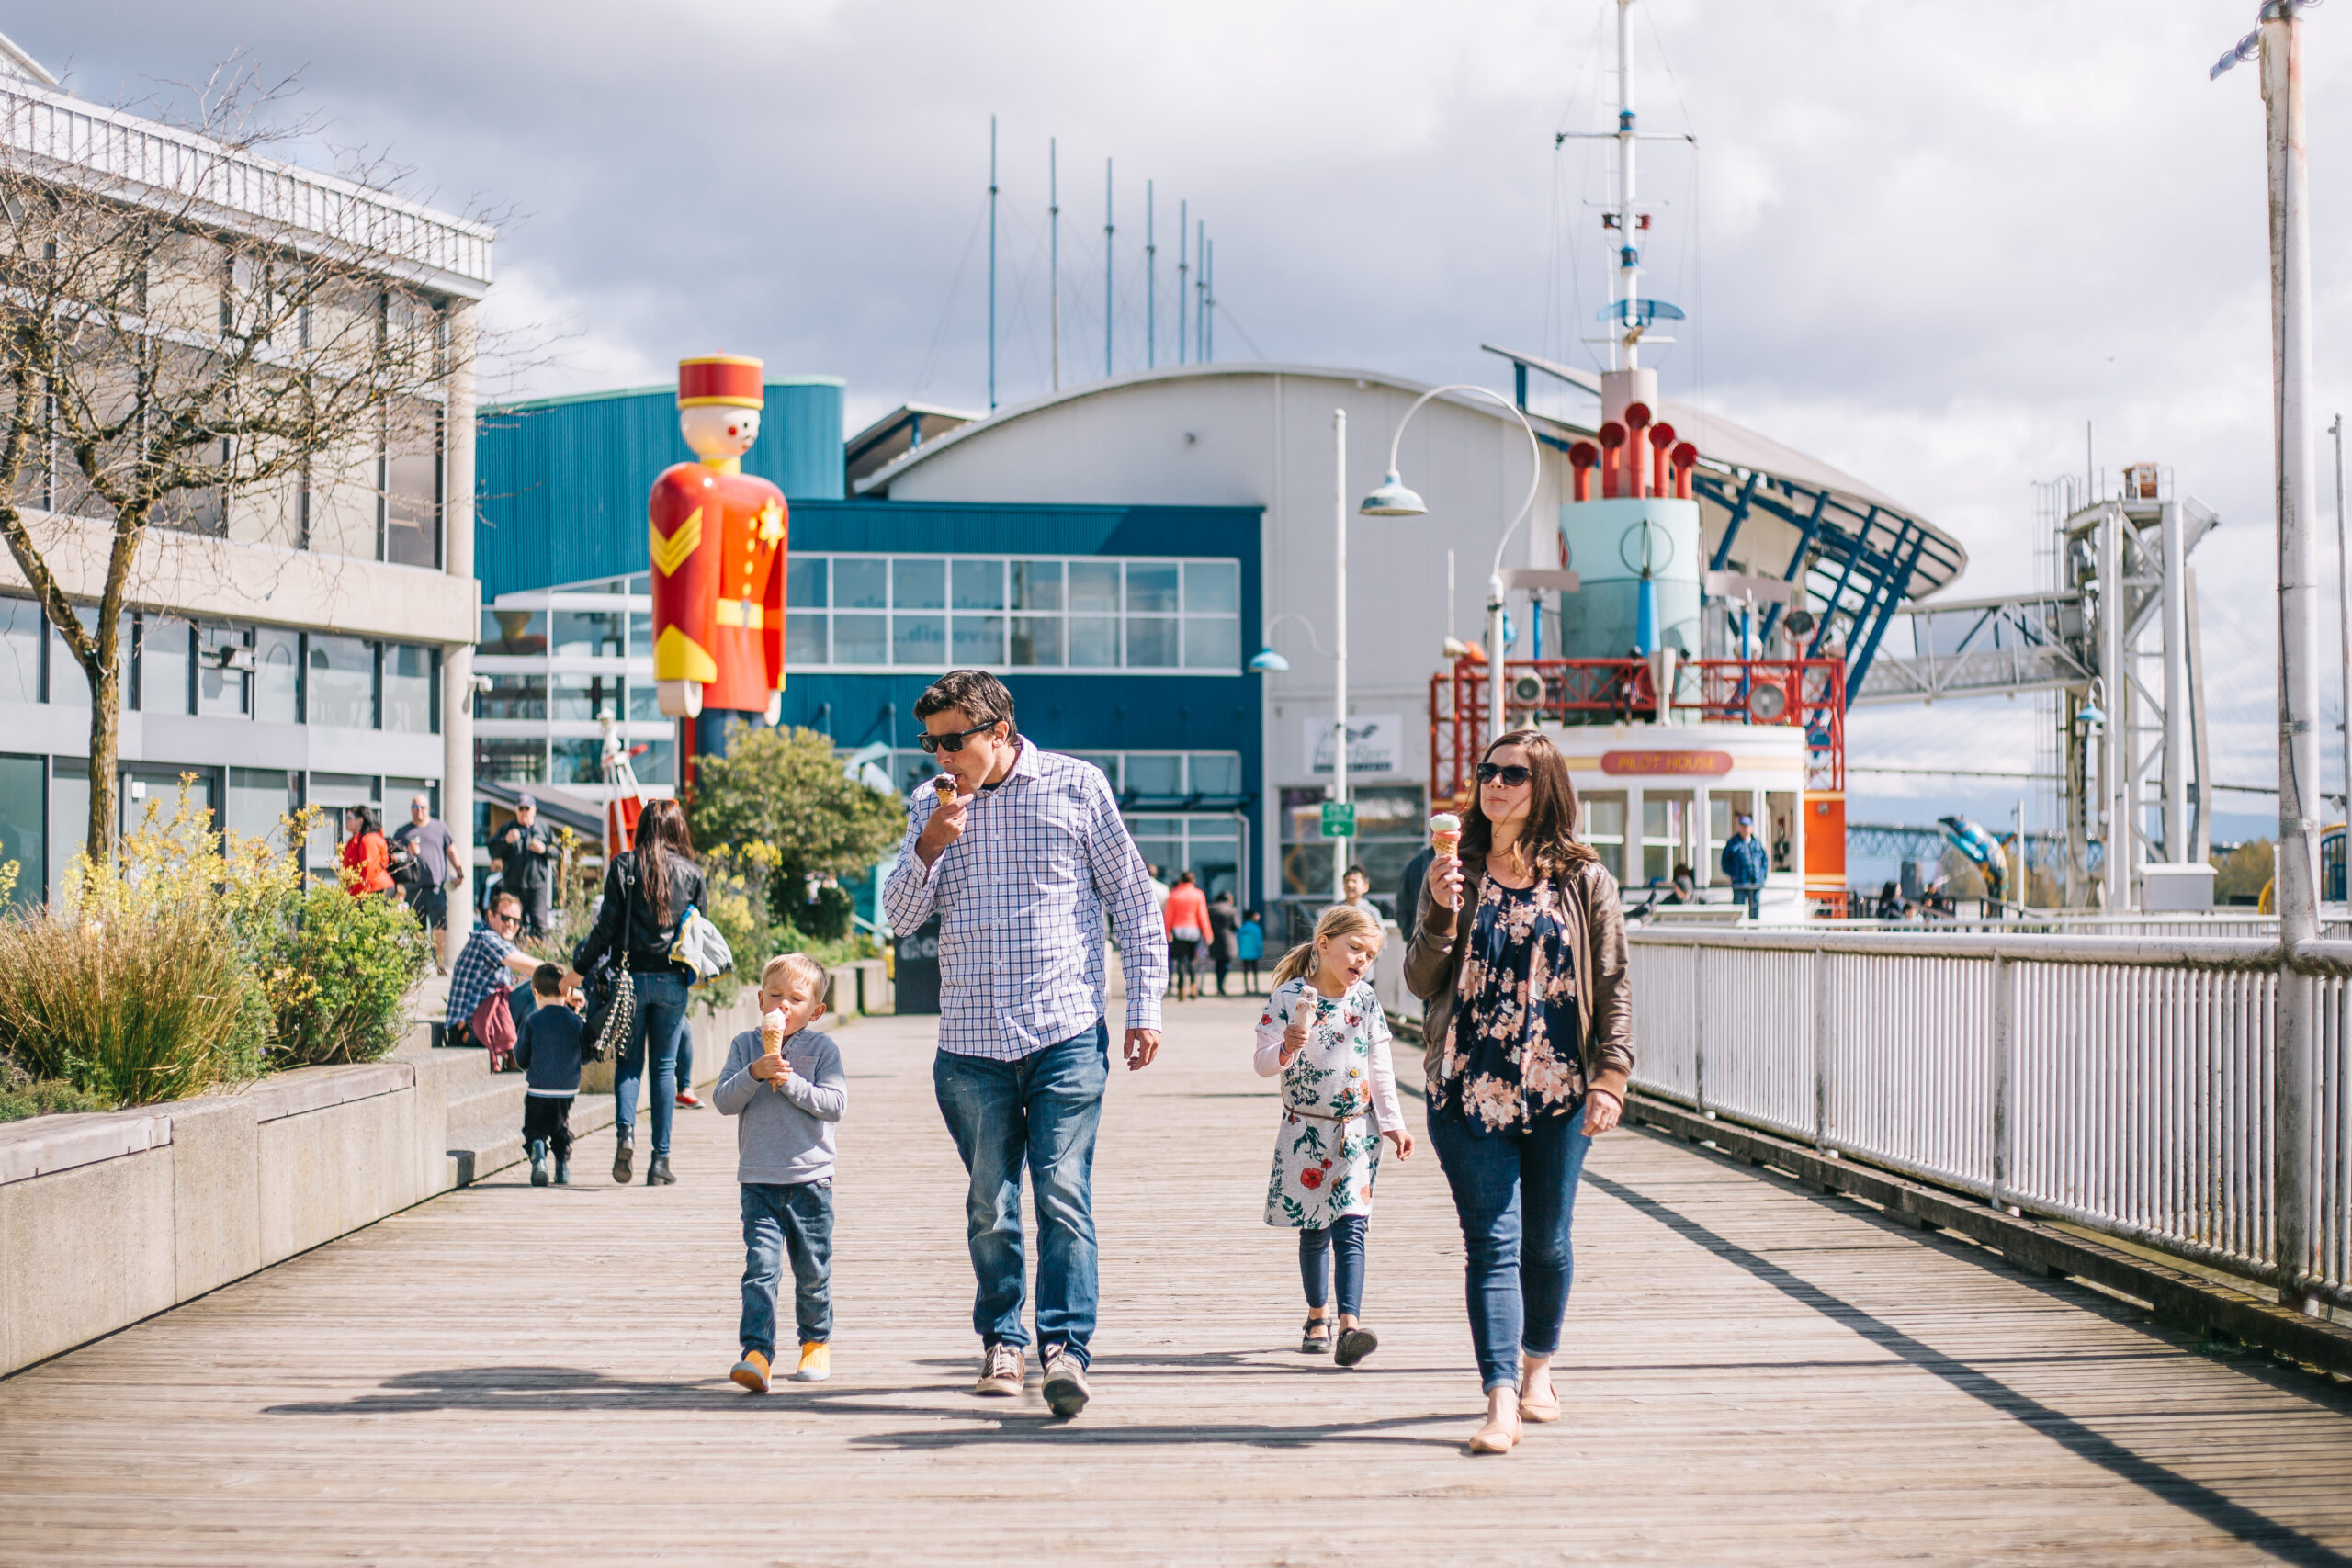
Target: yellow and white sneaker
(816, 1363)
(752, 1371)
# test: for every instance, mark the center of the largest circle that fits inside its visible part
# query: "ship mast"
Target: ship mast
(1625, 337)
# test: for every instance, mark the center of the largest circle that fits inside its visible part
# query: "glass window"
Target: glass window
(1151, 586)
(1215, 773)
(919, 640)
(518, 633)
(412, 486)
(980, 584)
(511, 761)
(342, 681)
(804, 637)
(578, 761)
(640, 634)
(1094, 585)
(804, 582)
(68, 686)
(1037, 640)
(335, 791)
(408, 688)
(69, 816)
(862, 584)
(588, 634)
(1095, 642)
(918, 584)
(165, 667)
(277, 677)
(1151, 642)
(1212, 586)
(581, 698)
(1156, 773)
(514, 696)
(1211, 642)
(221, 691)
(1604, 829)
(980, 640)
(860, 639)
(1107, 761)
(258, 799)
(654, 761)
(644, 703)
(1036, 585)
(24, 835)
(22, 632)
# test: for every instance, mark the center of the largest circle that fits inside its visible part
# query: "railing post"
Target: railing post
(2005, 1046)
(1824, 1045)
(1699, 1026)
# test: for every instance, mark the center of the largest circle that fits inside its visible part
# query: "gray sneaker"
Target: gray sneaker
(1066, 1390)
(999, 1372)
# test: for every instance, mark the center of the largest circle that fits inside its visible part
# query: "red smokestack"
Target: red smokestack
(1612, 440)
(1637, 419)
(1585, 455)
(1686, 459)
(1661, 439)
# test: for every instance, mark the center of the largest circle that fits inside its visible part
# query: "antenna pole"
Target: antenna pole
(1208, 302)
(1200, 292)
(1625, 353)
(992, 264)
(1053, 250)
(1109, 229)
(2344, 614)
(1183, 271)
(1151, 280)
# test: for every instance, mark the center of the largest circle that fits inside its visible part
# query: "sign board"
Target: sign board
(1704, 765)
(1339, 818)
(1376, 745)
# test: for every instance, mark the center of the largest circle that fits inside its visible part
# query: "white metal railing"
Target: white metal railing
(2123, 1084)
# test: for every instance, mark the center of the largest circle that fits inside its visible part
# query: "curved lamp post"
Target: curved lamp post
(1394, 500)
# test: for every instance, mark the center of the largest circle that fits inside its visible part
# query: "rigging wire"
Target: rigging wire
(955, 287)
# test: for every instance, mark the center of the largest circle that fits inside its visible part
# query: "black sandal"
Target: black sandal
(1316, 1339)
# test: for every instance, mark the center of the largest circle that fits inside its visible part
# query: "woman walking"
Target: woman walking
(367, 861)
(1186, 920)
(647, 892)
(1519, 959)
(1224, 926)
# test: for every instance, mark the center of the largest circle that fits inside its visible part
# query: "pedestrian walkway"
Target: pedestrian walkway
(1752, 1374)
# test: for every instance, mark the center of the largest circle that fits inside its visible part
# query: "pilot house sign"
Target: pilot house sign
(1376, 745)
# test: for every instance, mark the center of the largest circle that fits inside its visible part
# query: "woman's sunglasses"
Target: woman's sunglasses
(952, 741)
(1510, 776)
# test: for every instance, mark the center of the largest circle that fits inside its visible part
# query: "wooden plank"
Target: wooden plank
(1753, 1373)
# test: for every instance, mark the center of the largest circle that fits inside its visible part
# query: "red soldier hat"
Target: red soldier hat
(731, 379)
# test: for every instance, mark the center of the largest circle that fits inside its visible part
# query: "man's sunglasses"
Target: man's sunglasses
(1510, 776)
(954, 742)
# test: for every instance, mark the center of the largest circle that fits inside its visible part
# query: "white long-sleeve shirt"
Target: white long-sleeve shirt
(1021, 898)
(1387, 1114)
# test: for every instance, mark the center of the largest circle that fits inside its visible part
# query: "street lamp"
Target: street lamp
(1394, 500)
(1270, 661)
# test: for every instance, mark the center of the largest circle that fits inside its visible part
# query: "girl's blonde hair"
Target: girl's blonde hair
(1338, 920)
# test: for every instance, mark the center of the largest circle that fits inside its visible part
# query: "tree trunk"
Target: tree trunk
(105, 717)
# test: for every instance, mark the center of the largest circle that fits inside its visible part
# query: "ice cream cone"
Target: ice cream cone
(1445, 833)
(772, 1024)
(945, 787)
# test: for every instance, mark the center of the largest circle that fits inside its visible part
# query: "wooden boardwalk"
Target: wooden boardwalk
(1754, 1374)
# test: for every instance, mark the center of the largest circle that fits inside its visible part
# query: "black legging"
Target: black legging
(1340, 1246)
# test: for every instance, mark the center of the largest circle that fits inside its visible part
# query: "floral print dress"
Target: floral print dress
(1514, 1052)
(1338, 1096)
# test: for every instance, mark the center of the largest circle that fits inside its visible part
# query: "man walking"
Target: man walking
(432, 873)
(1747, 864)
(525, 855)
(1021, 865)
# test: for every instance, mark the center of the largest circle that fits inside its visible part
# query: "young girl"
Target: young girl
(1324, 1031)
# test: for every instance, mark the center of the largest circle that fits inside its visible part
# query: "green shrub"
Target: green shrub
(22, 1095)
(348, 964)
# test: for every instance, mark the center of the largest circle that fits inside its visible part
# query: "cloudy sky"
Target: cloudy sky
(1926, 240)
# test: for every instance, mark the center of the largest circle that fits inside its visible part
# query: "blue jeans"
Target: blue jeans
(1750, 894)
(658, 1030)
(1515, 1193)
(798, 1221)
(1040, 1111)
(1336, 1248)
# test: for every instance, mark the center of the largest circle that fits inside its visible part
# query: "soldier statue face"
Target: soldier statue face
(719, 430)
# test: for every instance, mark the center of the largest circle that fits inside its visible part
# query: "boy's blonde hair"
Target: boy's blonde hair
(1340, 919)
(795, 963)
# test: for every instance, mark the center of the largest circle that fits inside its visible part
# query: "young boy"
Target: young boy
(786, 1087)
(548, 1052)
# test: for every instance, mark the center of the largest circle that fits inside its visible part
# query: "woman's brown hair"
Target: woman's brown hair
(1549, 838)
(660, 833)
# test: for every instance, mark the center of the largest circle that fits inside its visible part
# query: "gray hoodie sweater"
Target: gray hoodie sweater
(784, 1135)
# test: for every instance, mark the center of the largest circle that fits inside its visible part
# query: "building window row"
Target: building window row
(215, 669)
(569, 759)
(1146, 775)
(869, 612)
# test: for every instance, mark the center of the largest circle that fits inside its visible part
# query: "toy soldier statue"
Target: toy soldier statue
(718, 543)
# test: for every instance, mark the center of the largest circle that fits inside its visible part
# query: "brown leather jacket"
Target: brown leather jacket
(1597, 945)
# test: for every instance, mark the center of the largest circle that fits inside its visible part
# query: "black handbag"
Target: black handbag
(612, 995)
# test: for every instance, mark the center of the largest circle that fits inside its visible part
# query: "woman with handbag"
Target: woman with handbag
(1518, 958)
(648, 890)
(1186, 918)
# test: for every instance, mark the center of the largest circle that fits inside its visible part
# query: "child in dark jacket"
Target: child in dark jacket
(549, 1054)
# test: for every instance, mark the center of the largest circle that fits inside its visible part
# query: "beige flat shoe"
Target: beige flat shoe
(1493, 1438)
(1541, 1415)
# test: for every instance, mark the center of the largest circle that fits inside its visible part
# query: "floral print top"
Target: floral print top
(1514, 1051)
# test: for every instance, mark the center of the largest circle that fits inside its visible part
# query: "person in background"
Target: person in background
(1249, 948)
(367, 859)
(1159, 888)
(525, 852)
(1408, 891)
(1685, 888)
(1356, 888)
(1225, 919)
(429, 840)
(1890, 906)
(549, 1051)
(476, 972)
(1745, 863)
(1186, 920)
(647, 890)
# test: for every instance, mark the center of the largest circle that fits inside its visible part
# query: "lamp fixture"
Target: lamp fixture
(1393, 499)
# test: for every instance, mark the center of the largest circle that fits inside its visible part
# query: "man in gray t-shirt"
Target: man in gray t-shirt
(427, 888)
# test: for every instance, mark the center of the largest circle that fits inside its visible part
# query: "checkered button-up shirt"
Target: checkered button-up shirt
(481, 965)
(1020, 898)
